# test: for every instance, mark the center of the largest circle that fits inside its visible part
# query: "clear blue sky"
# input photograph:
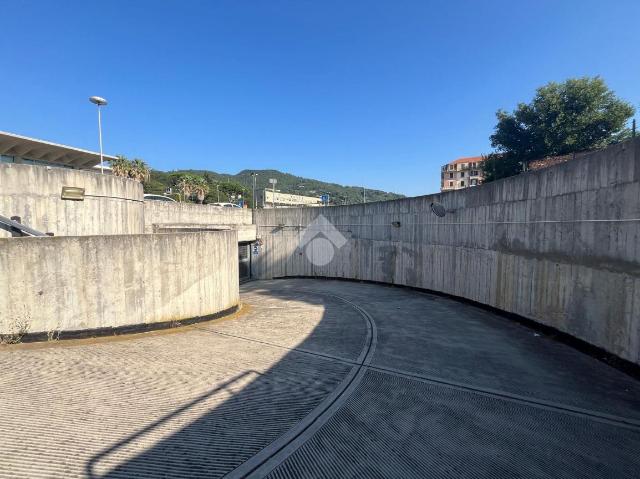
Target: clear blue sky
(377, 93)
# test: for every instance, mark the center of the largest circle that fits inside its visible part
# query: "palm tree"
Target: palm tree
(139, 170)
(200, 187)
(121, 166)
(185, 184)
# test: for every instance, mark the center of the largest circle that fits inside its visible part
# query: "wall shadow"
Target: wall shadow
(232, 432)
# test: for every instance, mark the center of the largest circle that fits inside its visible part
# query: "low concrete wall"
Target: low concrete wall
(74, 283)
(162, 216)
(560, 246)
(167, 212)
(246, 233)
(112, 205)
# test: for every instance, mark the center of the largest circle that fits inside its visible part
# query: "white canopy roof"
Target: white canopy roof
(25, 147)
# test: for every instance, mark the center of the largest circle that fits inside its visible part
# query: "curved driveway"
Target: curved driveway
(319, 379)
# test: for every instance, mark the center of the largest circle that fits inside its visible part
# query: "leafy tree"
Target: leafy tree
(575, 115)
(227, 191)
(501, 165)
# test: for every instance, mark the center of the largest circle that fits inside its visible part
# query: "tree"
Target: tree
(135, 169)
(576, 115)
(139, 170)
(193, 184)
(200, 187)
(120, 166)
(500, 165)
(185, 185)
(228, 191)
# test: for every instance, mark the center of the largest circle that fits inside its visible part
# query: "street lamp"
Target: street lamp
(254, 175)
(100, 102)
(273, 182)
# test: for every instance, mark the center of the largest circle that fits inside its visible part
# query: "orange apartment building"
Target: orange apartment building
(462, 173)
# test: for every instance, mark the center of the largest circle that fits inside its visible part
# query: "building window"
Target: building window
(29, 161)
(462, 183)
(6, 159)
(451, 183)
(462, 174)
(450, 175)
(474, 182)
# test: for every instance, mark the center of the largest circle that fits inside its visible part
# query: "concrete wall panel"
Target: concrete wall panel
(167, 212)
(88, 282)
(560, 246)
(112, 205)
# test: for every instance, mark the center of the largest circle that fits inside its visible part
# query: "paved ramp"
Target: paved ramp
(320, 379)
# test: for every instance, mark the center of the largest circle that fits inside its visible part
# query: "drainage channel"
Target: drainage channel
(278, 451)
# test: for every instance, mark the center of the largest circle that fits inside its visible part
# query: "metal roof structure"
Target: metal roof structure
(40, 150)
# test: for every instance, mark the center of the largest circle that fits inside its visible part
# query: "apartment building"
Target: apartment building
(462, 173)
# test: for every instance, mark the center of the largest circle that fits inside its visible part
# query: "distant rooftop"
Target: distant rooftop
(46, 151)
(466, 159)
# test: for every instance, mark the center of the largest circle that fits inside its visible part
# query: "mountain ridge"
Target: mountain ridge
(286, 183)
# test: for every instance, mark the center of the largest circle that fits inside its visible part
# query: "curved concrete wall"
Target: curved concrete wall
(90, 282)
(560, 246)
(112, 205)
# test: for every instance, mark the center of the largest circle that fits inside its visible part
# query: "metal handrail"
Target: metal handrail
(11, 225)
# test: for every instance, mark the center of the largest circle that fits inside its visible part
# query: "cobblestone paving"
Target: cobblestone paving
(319, 379)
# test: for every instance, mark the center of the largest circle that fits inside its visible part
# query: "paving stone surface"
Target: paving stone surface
(319, 379)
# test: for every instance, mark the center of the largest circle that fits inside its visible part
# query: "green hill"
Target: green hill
(242, 182)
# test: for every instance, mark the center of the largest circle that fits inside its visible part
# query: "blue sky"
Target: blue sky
(374, 93)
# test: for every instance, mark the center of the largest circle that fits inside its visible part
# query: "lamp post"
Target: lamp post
(100, 102)
(273, 182)
(254, 175)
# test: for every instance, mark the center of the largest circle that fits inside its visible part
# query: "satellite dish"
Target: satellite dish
(438, 209)
(98, 100)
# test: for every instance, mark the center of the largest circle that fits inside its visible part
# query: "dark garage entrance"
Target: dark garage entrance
(244, 261)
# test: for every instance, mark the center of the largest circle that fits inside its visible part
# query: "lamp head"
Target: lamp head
(98, 100)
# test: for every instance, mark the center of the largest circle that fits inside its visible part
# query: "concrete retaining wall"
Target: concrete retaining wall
(113, 205)
(166, 213)
(74, 283)
(560, 246)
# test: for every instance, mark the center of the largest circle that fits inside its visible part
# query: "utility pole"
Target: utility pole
(218, 192)
(633, 128)
(364, 195)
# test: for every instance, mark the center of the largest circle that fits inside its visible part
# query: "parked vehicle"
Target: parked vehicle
(158, 198)
(226, 205)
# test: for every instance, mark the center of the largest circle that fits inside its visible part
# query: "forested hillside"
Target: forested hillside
(227, 187)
